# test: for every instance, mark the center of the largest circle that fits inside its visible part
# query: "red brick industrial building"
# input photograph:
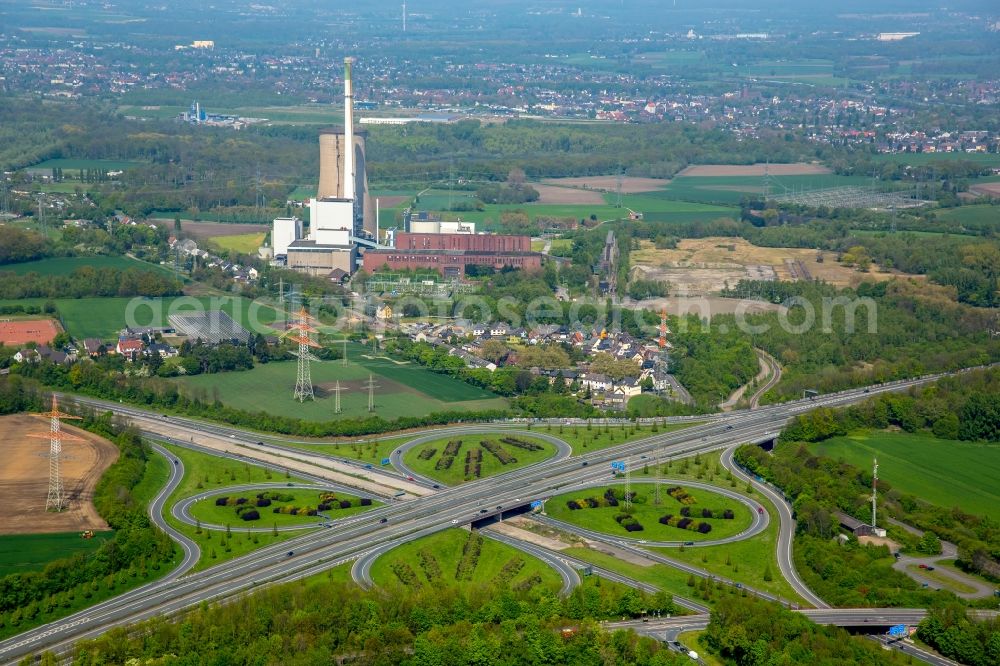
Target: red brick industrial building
(450, 253)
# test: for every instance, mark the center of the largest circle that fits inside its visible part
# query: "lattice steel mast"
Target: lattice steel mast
(56, 498)
(300, 332)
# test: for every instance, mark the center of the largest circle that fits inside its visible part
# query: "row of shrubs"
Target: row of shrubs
(427, 454)
(521, 443)
(467, 564)
(685, 523)
(249, 514)
(502, 454)
(291, 510)
(681, 495)
(528, 583)
(429, 564)
(448, 455)
(611, 497)
(709, 513)
(473, 463)
(629, 522)
(405, 574)
(509, 570)
(261, 500)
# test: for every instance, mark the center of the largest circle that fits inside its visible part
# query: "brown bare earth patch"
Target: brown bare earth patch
(986, 189)
(795, 169)
(705, 265)
(200, 230)
(555, 194)
(391, 202)
(630, 184)
(24, 478)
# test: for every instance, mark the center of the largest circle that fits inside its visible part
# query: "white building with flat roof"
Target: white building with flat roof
(284, 232)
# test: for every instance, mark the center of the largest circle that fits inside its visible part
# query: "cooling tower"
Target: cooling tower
(331, 173)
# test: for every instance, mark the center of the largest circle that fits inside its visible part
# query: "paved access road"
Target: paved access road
(319, 550)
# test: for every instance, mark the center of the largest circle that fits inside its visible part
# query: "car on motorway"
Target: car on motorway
(290, 553)
(922, 566)
(436, 486)
(410, 478)
(455, 522)
(760, 510)
(176, 461)
(383, 520)
(729, 427)
(482, 511)
(232, 437)
(689, 543)
(930, 568)
(584, 463)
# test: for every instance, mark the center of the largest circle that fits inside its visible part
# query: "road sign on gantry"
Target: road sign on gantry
(536, 504)
(897, 630)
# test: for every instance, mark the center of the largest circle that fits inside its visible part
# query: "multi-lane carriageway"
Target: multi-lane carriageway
(407, 520)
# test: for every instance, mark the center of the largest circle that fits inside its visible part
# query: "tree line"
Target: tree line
(89, 281)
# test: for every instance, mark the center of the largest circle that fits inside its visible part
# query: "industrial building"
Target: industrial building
(285, 231)
(450, 253)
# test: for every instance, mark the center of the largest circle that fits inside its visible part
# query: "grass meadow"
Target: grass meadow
(489, 463)
(940, 471)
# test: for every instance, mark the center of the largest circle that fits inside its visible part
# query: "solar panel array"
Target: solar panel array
(211, 327)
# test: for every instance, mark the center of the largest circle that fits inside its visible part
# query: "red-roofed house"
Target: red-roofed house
(130, 348)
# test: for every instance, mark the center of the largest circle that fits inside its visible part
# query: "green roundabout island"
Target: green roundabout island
(284, 507)
(467, 457)
(684, 513)
(462, 557)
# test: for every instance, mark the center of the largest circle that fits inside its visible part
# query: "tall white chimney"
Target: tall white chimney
(348, 130)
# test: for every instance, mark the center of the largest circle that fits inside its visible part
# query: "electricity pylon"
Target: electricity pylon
(371, 386)
(336, 403)
(56, 499)
(300, 332)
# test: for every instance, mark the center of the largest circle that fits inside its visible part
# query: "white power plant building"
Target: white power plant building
(284, 232)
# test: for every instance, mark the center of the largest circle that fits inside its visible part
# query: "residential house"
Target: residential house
(164, 350)
(130, 348)
(92, 346)
(27, 356)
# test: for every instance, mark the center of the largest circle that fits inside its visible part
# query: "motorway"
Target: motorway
(406, 520)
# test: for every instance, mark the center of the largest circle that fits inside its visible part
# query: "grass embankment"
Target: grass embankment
(208, 512)
(596, 437)
(940, 471)
(647, 513)
(203, 471)
(430, 459)
(368, 451)
(436, 559)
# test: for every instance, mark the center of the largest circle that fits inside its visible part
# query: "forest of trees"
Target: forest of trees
(711, 363)
(949, 630)
(88, 281)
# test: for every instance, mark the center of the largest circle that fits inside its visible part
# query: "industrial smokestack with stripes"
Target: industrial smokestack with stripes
(342, 173)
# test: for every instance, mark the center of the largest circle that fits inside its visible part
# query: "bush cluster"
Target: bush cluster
(629, 522)
(681, 495)
(521, 443)
(470, 557)
(498, 451)
(448, 455)
(429, 564)
(406, 575)
(290, 510)
(685, 523)
(473, 463)
(427, 454)
(528, 583)
(509, 570)
(708, 513)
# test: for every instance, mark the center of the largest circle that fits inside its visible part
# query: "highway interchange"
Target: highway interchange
(362, 537)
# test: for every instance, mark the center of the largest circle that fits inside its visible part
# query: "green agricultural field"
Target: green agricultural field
(403, 389)
(602, 518)
(208, 513)
(71, 167)
(66, 265)
(104, 317)
(943, 472)
(728, 190)
(241, 243)
(982, 215)
(455, 473)
(20, 553)
(445, 551)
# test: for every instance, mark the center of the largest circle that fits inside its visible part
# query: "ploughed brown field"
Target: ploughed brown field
(24, 477)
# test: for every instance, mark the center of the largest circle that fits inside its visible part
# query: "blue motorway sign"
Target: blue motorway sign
(385, 461)
(618, 465)
(536, 504)
(897, 630)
